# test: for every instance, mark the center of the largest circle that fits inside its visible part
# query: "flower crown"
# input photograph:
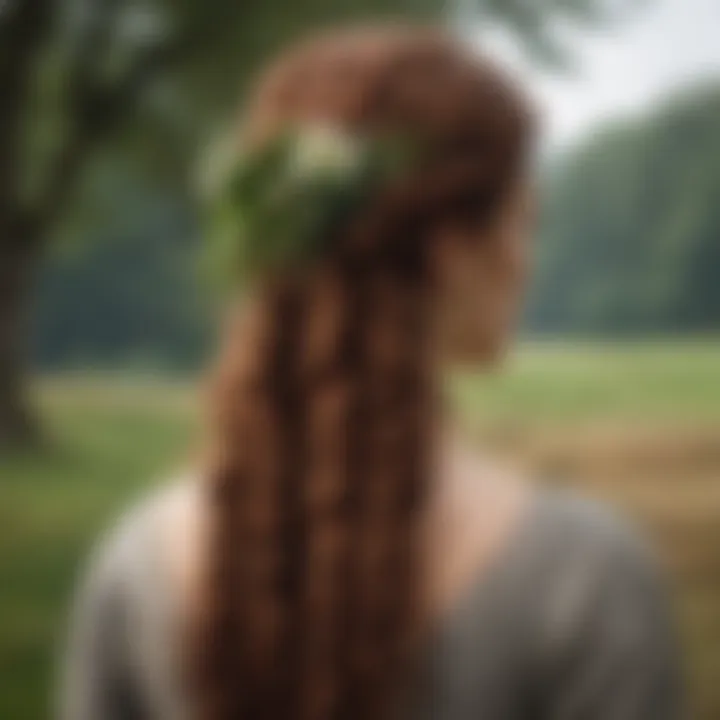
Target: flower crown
(276, 207)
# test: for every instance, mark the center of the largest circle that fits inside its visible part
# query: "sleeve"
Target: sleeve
(97, 682)
(611, 647)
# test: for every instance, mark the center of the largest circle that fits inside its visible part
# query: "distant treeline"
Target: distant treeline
(131, 293)
(630, 245)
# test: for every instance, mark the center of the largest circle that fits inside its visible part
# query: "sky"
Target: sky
(623, 70)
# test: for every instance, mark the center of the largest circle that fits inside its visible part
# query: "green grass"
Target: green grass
(110, 438)
(102, 454)
(650, 382)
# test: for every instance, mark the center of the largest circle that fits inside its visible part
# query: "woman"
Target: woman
(339, 554)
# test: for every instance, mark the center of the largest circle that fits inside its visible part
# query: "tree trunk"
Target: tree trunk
(18, 425)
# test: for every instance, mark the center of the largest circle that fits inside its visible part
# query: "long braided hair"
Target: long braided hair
(312, 606)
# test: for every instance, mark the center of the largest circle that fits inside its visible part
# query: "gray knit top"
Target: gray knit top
(570, 624)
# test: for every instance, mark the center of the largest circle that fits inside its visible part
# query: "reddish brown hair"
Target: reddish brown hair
(323, 430)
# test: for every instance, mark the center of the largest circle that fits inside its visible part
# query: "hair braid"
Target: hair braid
(315, 579)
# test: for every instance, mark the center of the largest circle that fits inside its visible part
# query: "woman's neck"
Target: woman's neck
(474, 510)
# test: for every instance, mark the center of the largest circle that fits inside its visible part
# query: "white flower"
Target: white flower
(324, 150)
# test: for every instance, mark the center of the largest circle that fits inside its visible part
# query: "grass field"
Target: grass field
(638, 425)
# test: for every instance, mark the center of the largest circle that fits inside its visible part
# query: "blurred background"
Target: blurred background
(106, 108)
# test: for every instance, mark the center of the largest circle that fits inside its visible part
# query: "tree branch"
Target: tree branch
(22, 32)
(99, 112)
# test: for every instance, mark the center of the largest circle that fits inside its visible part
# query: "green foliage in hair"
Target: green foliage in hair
(281, 204)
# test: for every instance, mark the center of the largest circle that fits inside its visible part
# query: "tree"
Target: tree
(85, 79)
(631, 243)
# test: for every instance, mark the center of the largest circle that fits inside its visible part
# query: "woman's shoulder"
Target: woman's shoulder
(594, 574)
(551, 541)
(600, 613)
(557, 529)
(576, 529)
(126, 586)
(582, 554)
(156, 526)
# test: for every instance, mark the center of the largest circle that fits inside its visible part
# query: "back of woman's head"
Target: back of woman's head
(315, 591)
